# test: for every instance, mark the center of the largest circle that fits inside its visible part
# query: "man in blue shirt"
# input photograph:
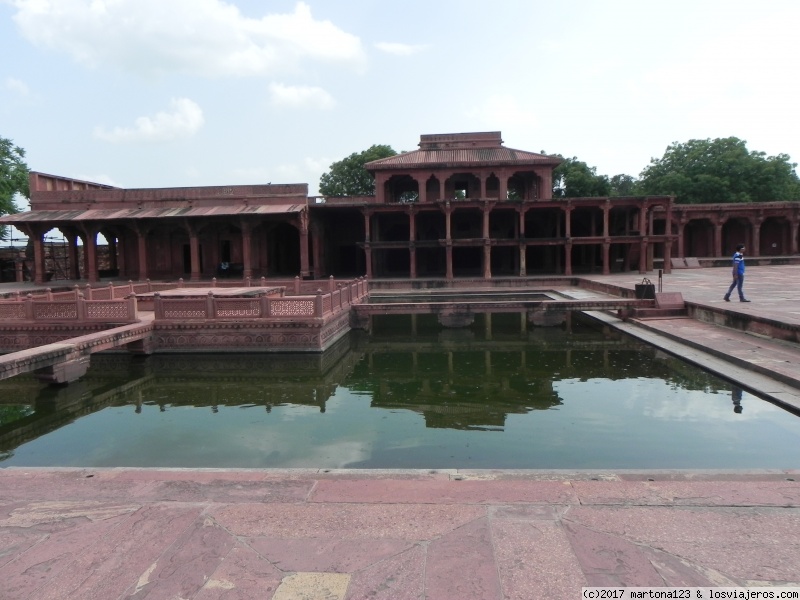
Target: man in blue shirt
(738, 275)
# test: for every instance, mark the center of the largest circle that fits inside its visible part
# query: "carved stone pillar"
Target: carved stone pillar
(568, 258)
(194, 249)
(412, 242)
(487, 259)
(38, 256)
(141, 239)
(247, 249)
(756, 249)
(304, 263)
(90, 254)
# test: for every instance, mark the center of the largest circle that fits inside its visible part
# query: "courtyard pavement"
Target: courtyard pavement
(439, 534)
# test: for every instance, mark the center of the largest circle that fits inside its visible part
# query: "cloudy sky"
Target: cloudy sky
(160, 93)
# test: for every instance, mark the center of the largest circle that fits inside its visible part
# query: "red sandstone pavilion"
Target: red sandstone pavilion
(463, 205)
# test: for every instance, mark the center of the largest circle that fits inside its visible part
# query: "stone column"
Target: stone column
(643, 255)
(316, 251)
(668, 255)
(247, 249)
(141, 238)
(304, 263)
(368, 259)
(643, 220)
(38, 256)
(448, 241)
(756, 249)
(607, 256)
(606, 211)
(72, 253)
(412, 242)
(717, 239)
(194, 247)
(567, 222)
(568, 258)
(91, 256)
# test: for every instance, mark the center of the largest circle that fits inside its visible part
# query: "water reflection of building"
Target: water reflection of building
(458, 379)
(204, 380)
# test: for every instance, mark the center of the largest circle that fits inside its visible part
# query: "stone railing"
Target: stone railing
(265, 306)
(71, 307)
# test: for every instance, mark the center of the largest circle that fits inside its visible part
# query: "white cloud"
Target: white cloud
(503, 112)
(399, 49)
(17, 86)
(205, 37)
(185, 119)
(300, 96)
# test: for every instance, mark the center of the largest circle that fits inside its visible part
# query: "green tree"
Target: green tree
(348, 177)
(575, 179)
(13, 178)
(719, 171)
(623, 185)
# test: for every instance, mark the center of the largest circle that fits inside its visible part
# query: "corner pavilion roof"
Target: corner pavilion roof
(461, 150)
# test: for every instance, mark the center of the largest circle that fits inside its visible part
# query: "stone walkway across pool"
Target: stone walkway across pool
(440, 535)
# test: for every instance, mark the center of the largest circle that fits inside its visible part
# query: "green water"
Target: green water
(501, 394)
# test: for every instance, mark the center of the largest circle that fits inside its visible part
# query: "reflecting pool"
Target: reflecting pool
(411, 394)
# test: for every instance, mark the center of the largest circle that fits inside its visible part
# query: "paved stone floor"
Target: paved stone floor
(442, 535)
(305, 534)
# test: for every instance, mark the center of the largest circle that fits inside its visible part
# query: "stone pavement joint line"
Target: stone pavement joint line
(345, 535)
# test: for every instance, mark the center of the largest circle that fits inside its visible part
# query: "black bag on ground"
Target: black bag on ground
(645, 290)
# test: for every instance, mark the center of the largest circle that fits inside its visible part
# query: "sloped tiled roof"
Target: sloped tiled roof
(458, 157)
(42, 216)
(473, 149)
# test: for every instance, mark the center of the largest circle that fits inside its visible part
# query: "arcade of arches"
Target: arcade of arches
(463, 205)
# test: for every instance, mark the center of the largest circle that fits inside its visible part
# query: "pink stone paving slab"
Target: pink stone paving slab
(344, 521)
(52, 556)
(535, 560)
(112, 564)
(63, 484)
(14, 542)
(229, 491)
(653, 525)
(187, 564)
(326, 554)
(738, 543)
(242, 575)
(455, 491)
(690, 493)
(460, 565)
(611, 561)
(744, 564)
(37, 513)
(399, 577)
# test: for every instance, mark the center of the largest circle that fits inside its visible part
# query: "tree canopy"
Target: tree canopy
(575, 179)
(718, 171)
(13, 177)
(348, 177)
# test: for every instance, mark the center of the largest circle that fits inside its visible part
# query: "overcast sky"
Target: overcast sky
(164, 93)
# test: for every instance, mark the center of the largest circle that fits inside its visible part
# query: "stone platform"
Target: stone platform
(461, 535)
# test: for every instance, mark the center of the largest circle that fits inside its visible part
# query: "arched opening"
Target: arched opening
(401, 188)
(775, 238)
(699, 238)
(460, 186)
(734, 231)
